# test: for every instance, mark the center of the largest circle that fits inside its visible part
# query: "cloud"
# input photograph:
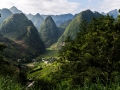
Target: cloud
(42, 6)
(108, 5)
(89, 1)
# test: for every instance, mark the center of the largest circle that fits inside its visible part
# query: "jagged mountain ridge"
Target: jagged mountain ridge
(29, 16)
(59, 19)
(37, 20)
(14, 10)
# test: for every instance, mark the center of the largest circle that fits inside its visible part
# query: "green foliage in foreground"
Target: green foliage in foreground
(7, 83)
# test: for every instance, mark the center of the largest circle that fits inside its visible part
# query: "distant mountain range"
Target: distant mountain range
(29, 16)
(59, 19)
(14, 10)
(114, 13)
(37, 20)
(31, 34)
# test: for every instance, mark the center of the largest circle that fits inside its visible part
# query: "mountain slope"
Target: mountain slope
(48, 31)
(21, 30)
(37, 20)
(13, 50)
(73, 27)
(14, 10)
(4, 14)
(63, 26)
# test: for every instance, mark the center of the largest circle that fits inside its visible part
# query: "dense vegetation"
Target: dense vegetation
(94, 53)
(22, 31)
(10, 70)
(13, 50)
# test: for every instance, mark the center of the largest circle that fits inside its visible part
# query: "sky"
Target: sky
(57, 7)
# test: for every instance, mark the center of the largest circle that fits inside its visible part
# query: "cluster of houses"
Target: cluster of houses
(48, 61)
(45, 60)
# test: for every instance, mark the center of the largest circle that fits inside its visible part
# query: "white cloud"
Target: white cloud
(108, 5)
(89, 1)
(42, 6)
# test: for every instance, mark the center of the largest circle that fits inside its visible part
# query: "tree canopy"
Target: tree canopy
(96, 46)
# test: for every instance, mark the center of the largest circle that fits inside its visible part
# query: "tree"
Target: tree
(73, 66)
(103, 45)
(97, 45)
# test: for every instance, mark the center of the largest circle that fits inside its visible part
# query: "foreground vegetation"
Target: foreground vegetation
(7, 83)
